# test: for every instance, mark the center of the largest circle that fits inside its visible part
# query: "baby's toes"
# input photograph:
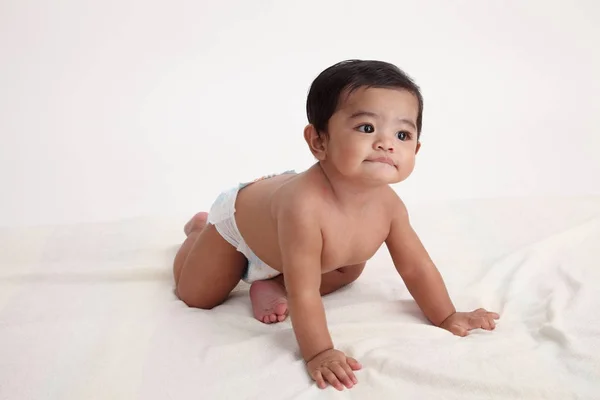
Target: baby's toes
(273, 318)
(280, 309)
(266, 319)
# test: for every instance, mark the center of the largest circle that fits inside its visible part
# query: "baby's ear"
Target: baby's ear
(418, 147)
(316, 142)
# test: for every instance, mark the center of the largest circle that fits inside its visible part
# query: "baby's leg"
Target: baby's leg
(268, 297)
(206, 267)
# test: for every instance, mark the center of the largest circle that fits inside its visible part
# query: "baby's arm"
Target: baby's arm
(301, 244)
(424, 281)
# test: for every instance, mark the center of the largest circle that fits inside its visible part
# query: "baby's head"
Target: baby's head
(365, 120)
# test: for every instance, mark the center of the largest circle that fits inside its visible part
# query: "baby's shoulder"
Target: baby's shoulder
(394, 205)
(297, 194)
(390, 197)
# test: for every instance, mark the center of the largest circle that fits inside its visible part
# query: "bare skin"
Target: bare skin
(319, 227)
(269, 301)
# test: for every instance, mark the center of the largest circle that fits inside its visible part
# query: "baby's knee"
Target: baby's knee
(195, 300)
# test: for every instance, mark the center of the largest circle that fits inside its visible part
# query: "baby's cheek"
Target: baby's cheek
(350, 155)
(408, 165)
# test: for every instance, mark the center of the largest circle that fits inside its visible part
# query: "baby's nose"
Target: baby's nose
(385, 144)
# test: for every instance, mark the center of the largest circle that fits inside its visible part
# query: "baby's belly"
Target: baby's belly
(261, 237)
(338, 260)
(265, 245)
(353, 245)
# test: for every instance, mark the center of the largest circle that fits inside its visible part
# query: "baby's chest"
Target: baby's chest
(352, 243)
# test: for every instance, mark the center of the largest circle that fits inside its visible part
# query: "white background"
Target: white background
(115, 109)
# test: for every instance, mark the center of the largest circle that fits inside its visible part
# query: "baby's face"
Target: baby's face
(373, 135)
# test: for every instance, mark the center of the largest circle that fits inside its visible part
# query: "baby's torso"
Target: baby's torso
(349, 238)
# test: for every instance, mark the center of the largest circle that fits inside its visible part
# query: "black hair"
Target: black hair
(348, 76)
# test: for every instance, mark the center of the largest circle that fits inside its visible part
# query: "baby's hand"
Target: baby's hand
(333, 367)
(460, 323)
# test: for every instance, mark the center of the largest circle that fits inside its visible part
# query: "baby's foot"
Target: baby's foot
(268, 301)
(197, 223)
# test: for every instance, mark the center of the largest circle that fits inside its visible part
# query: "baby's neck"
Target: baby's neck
(346, 192)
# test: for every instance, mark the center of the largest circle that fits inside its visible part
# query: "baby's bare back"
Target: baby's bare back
(350, 235)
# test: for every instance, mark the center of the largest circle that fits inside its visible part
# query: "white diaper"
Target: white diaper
(221, 215)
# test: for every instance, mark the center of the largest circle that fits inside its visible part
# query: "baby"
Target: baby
(299, 236)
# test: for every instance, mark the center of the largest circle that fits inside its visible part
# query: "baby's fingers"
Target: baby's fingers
(332, 379)
(355, 365)
(488, 324)
(318, 377)
(483, 322)
(342, 374)
(483, 311)
(350, 373)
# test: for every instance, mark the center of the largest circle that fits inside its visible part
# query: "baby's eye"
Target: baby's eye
(403, 135)
(366, 128)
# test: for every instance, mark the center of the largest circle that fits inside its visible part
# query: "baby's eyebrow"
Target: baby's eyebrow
(362, 113)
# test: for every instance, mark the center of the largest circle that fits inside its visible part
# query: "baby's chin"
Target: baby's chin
(383, 178)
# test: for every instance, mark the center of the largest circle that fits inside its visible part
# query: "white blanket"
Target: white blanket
(88, 312)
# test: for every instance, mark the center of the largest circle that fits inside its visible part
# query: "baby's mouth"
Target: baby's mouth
(384, 160)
